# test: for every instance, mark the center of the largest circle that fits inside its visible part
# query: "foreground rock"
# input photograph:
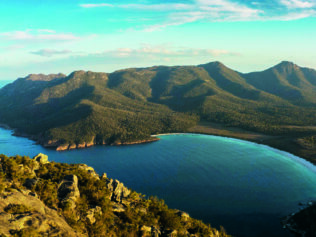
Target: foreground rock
(68, 192)
(41, 158)
(118, 191)
(42, 198)
(21, 213)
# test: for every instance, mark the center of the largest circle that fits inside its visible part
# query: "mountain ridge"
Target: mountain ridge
(129, 105)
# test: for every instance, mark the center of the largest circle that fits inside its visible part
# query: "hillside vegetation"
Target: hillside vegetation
(127, 106)
(42, 198)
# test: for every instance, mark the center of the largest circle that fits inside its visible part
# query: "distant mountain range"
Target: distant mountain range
(126, 106)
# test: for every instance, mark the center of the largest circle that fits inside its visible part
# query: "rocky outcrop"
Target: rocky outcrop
(50, 204)
(81, 145)
(68, 191)
(41, 158)
(89, 170)
(30, 216)
(72, 146)
(184, 216)
(149, 231)
(170, 233)
(66, 147)
(118, 191)
(92, 142)
(63, 147)
(117, 207)
(91, 214)
(104, 176)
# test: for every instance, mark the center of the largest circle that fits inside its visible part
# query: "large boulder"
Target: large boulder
(149, 231)
(145, 231)
(89, 170)
(118, 190)
(155, 232)
(170, 233)
(68, 191)
(184, 216)
(30, 216)
(91, 214)
(104, 176)
(41, 158)
(117, 207)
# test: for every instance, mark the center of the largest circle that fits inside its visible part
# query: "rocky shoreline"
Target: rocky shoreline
(56, 145)
(66, 147)
(272, 141)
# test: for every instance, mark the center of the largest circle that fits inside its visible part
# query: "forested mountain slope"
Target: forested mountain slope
(126, 106)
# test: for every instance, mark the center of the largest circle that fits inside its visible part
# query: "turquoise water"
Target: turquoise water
(245, 187)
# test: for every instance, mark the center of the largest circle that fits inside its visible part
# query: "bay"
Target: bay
(243, 186)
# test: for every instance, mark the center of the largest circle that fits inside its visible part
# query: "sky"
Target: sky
(52, 36)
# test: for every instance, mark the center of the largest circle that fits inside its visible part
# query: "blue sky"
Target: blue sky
(50, 36)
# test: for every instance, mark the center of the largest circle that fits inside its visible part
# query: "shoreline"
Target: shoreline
(283, 142)
(277, 142)
(286, 222)
(292, 156)
(68, 147)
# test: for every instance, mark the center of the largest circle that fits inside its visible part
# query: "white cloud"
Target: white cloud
(161, 52)
(209, 10)
(38, 35)
(177, 19)
(297, 4)
(51, 52)
(218, 10)
(295, 15)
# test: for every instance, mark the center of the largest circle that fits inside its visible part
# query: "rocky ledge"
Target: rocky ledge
(66, 146)
(42, 198)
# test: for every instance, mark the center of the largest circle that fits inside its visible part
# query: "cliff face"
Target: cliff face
(93, 142)
(38, 198)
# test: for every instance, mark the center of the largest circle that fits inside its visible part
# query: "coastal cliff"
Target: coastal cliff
(38, 197)
(65, 147)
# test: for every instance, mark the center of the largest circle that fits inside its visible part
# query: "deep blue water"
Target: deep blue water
(243, 186)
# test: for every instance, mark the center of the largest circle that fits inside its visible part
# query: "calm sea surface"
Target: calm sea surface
(240, 185)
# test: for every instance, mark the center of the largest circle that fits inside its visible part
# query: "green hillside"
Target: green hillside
(127, 106)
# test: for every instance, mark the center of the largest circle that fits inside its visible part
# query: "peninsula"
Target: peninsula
(274, 107)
